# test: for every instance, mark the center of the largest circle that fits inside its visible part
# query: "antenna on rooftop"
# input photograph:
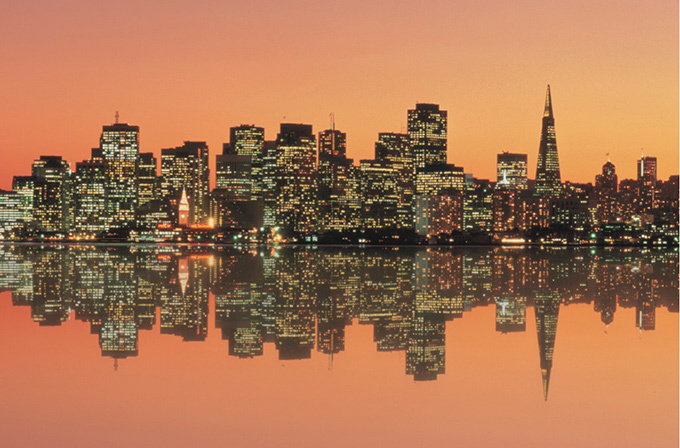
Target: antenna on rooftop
(117, 117)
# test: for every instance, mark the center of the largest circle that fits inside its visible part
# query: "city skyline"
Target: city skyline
(615, 75)
(298, 189)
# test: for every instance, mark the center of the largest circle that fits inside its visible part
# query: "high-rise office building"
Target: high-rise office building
(434, 180)
(606, 189)
(119, 144)
(511, 171)
(427, 128)
(395, 149)
(548, 181)
(10, 213)
(186, 168)
(147, 178)
(269, 182)
(24, 186)
(379, 198)
(338, 204)
(51, 194)
(646, 177)
(248, 140)
(505, 209)
(234, 176)
(296, 178)
(89, 197)
(478, 205)
(235, 204)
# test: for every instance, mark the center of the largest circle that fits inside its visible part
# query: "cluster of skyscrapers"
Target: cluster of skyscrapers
(303, 300)
(303, 186)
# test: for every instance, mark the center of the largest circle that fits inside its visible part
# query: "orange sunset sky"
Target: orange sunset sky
(188, 70)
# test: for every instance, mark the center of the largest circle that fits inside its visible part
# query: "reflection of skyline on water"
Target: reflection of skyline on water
(302, 300)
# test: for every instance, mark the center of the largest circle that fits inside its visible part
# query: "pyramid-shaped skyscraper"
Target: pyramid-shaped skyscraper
(548, 181)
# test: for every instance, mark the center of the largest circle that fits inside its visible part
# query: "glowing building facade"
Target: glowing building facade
(296, 184)
(427, 129)
(119, 144)
(51, 194)
(186, 167)
(511, 171)
(548, 181)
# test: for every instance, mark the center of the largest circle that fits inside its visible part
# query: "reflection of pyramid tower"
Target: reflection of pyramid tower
(546, 309)
(183, 274)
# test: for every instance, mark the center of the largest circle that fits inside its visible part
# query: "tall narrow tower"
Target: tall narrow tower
(548, 181)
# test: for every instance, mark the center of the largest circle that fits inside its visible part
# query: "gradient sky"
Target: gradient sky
(188, 70)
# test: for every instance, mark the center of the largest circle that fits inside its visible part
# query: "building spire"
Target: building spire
(548, 112)
(545, 373)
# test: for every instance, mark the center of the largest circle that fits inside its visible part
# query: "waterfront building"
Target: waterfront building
(379, 198)
(532, 212)
(548, 180)
(10, 213)
(477, 205)
(338, 201)
(89, 198)
(119, 144)
(51, 194)
(505, 208)
(395, 149)
(24, 187)
(439, 214)
(575, 208)
(296, 185)
(235, 205)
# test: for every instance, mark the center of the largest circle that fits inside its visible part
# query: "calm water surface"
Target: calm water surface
(178, 346)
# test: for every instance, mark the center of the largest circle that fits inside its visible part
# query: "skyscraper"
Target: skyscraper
(248, 140)
(147, 178)
(646, 177)
(89, 197)
(606, 189)
(186, 167)
(51, 194)
(296, 178)
(379, 198)
(427, 128)
(511, 171)
(395, 149)
(548, 181)
(338, 205)
(24, 186)
(269, 180)
(119, 145)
